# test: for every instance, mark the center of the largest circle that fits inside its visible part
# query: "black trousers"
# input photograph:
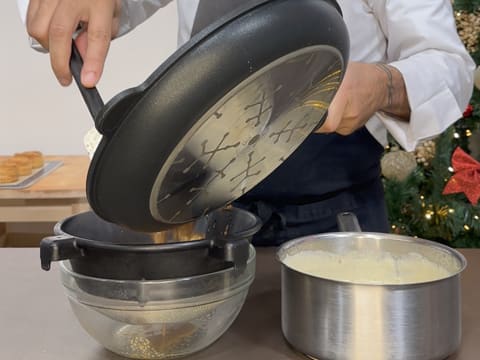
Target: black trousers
(284, 222)
(326, 175)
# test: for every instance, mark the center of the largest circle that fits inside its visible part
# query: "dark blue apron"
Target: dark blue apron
(326, 175)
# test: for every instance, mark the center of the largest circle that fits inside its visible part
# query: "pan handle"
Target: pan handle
(321, 122)
(55, 248)
(348, 222)
(90, 95)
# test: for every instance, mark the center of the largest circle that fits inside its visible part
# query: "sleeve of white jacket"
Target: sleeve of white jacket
(424, 46)
(133, 12)
(22, 9)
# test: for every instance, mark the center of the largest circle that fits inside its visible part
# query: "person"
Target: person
(408, 73)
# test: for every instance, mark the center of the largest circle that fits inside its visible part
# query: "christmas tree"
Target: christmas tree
(432, 193)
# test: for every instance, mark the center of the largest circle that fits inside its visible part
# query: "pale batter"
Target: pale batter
(367, 267)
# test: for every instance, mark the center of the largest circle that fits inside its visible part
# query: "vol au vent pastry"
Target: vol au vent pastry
(35, 156)
(20, 164)
(8, 172)
(24, 164)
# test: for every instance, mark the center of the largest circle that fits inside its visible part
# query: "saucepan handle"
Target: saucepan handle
(91, 96)
(348, 222)
(55, 248)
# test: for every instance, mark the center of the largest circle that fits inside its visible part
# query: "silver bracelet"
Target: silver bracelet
(387, 71)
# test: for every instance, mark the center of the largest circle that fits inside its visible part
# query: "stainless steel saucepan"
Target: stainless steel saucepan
(329, 319)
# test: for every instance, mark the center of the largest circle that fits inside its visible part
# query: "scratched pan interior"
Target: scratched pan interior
(219, 115)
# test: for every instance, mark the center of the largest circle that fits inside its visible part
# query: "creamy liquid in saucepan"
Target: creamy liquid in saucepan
(367, 267)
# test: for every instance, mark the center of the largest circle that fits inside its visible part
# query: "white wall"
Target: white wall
(36, 113)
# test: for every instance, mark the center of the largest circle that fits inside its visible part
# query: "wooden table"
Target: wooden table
(52, 198)
(37, 323)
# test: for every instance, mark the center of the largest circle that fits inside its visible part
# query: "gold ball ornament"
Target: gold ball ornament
(425, 152)
(398, 165)
(468, 28)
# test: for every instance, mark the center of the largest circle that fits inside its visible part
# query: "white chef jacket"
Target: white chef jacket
(419, 38)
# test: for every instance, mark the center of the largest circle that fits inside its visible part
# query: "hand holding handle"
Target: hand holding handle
(90, 95)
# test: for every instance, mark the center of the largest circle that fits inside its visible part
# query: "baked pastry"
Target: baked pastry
(24, 164)
(35, 156)
(8, 172)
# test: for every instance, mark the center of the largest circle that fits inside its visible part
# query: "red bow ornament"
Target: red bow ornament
(468, 111)
(466, 176)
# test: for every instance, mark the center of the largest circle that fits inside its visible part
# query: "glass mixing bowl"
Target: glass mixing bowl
(158, 319)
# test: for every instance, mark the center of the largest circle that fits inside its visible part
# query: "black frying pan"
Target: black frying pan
(218, 116)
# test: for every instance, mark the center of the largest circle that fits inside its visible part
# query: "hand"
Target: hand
(366, 89)
(53, 22)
